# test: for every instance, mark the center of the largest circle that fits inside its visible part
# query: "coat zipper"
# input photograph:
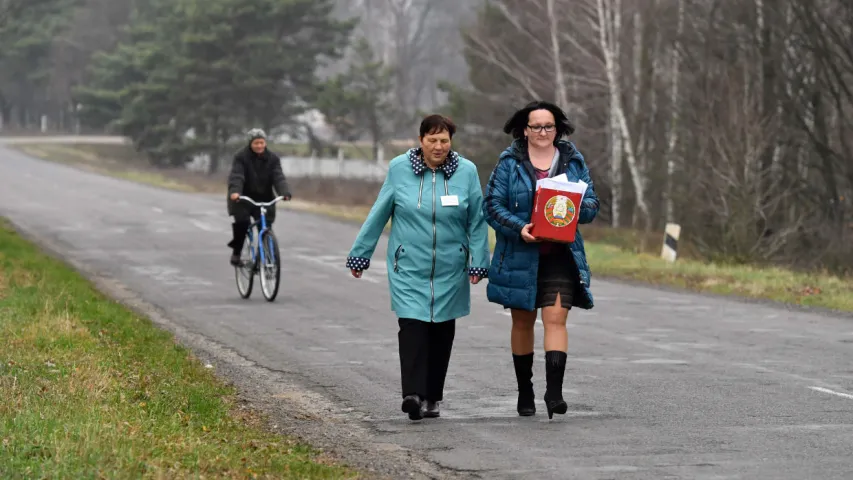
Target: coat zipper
(515, 193)
(432, 273)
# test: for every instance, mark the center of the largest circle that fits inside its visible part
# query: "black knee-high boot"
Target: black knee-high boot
(524, 375)
(555, 367)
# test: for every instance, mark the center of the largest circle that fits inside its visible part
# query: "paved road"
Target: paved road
(660, 385)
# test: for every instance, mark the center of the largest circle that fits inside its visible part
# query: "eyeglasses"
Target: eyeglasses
(539, 128)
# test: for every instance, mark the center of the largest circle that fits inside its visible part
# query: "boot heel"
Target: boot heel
(560, 407)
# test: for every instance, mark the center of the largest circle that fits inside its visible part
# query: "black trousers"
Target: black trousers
(424, 357)
(243, 215)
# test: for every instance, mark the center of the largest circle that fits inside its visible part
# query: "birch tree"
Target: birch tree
(556, 58)
(675, 104)
(609, 13)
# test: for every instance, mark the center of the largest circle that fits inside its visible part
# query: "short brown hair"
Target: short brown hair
(436, 124)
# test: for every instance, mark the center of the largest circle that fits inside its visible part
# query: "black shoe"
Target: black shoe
(235, 260)
(432, 410)
(555, 367)
(412, 406)
(524, 375)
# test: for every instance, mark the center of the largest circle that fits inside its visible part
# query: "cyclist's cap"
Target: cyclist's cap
(257, 133)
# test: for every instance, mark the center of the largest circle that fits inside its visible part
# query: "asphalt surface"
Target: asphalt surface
(661, 385)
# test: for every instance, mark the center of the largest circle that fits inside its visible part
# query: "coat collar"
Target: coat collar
(419, 166)
(518, 150)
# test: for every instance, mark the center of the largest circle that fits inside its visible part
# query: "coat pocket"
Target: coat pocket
(464, 250)
(397, 258)
(501, 259)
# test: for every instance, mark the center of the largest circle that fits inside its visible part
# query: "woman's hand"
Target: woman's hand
(356, 273)
(474, 279)
(525, 234)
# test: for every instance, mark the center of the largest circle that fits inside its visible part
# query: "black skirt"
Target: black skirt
(557, 274)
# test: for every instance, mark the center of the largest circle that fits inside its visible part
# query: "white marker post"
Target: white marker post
(669, 251)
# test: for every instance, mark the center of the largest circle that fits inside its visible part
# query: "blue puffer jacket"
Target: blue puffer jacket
(508, 207)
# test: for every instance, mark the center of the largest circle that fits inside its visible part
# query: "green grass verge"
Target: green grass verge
(611, 253)
(806, 289)
(89, 389)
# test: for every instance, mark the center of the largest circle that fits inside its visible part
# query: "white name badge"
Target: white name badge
(449, 201)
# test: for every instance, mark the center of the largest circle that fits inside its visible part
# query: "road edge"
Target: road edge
(291, 407)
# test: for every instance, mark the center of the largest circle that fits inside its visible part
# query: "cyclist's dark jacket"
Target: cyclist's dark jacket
(255, 176)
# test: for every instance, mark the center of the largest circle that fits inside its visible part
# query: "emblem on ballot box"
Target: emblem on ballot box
(559, 211)
(556, 209)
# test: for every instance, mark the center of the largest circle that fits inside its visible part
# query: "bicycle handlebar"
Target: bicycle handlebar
(264, 204)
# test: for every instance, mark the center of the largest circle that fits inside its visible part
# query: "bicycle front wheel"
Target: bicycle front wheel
(244, 273)
(270, 271)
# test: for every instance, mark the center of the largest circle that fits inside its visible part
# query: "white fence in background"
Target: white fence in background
(316, 167)
(347, 169)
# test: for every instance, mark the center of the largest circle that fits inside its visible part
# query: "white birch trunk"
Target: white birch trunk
(672, 141)
(559, 79)
(616, 147)
(638, 60)
(635, 107)
(610, 25)
(760, 177)
(759, 33)
(615, 167)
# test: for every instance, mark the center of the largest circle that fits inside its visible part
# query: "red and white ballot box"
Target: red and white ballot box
(557, 205)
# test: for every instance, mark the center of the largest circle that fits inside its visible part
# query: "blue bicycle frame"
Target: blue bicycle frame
(263, 228)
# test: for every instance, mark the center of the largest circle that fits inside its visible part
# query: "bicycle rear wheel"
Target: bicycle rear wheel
(270, 268)
(244, 273)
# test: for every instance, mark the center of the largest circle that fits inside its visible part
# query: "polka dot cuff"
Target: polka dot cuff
(358, 264)
(478, 272)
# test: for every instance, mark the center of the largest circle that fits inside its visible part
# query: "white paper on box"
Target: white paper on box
(562, 184)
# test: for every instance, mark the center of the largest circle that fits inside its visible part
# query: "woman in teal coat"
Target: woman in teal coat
(437, 246)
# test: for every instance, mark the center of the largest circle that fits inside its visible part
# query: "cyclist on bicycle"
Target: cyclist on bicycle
(254, 173)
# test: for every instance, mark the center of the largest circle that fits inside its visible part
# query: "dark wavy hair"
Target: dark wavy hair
(518, 122)
(436, 123)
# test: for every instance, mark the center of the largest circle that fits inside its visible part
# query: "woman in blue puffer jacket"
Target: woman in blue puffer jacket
(526, 274)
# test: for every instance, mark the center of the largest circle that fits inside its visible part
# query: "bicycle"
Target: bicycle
(261, 258)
